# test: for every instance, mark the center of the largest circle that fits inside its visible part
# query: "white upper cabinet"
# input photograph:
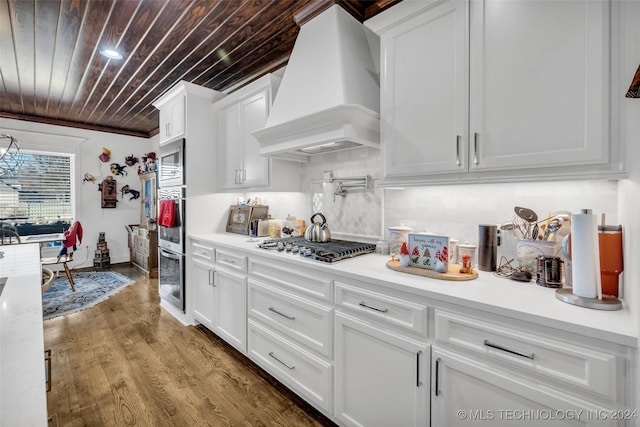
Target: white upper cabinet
(241, 165)
(496, 90)
(240, 162)
(424, 94)
(172, 118)
(539, 92)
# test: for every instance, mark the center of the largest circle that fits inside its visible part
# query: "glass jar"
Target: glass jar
(467, 251)
(398, 235)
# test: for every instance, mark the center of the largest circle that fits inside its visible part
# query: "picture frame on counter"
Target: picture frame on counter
(430, 251)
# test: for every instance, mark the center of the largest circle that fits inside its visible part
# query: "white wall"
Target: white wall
(87, 145)
(629, 189)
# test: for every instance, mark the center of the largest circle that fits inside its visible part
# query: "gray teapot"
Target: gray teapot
(318, 231)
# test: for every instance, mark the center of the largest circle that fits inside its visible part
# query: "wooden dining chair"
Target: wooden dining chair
(8, 234)
(48, 277)
(73, 237)
(64, 260)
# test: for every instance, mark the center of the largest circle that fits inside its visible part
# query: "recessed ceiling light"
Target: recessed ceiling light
(111, 54)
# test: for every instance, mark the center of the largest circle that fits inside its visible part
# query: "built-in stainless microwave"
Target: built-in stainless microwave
(171, 164)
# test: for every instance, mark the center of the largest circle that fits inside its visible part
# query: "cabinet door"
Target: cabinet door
(424, 96)
(538, 91)
(172, 119)
(254, 113)
(467, 392)
(381, 378)
(203, 293)
(231, 308)
(230, 147)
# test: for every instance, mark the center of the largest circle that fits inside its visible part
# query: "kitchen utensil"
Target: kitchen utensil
(526, 214)
(318, 231)
(530, 217)
(552, 229)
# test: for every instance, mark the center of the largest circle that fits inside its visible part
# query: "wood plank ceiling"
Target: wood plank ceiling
(51, 70)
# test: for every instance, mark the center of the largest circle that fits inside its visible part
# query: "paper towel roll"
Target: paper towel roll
(585, 256)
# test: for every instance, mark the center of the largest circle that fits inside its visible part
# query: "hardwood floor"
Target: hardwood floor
(127, 362)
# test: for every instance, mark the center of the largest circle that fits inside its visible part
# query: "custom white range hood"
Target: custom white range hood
(329, 98)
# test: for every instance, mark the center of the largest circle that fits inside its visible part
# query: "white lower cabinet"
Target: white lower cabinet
(382, 377)
(468, 392)
(369, 354)
(230, 306)
(202, 289)
(218, 287)
(306, 374)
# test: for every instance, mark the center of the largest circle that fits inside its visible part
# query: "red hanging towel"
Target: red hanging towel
(167, 213)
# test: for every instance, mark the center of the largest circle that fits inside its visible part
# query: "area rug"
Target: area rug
(91, 288)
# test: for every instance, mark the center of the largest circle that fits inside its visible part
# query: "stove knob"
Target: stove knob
(295, 249)
(280, 247)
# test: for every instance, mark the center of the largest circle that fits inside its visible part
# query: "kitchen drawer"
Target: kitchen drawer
(232, 260)
(390, 310)
(591, 370)
(203, 252)
(292, 279)
(141, 259)
(305, 321)
(141, 244)
(301, 371)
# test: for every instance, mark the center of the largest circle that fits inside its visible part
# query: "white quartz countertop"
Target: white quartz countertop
(524, 301)
(23, 400)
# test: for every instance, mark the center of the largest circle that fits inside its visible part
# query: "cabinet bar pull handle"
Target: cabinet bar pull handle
(211, 279)
(476, 143)
(458, 138)
(47, 358)
(280, 361)
(281, 314)
(517, 353)
(229, 261)
(381, 310)
(244, 176)
(235, 178)
(437, 380)
(418, 382)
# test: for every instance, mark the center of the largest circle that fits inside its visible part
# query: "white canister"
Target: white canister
(469, 249)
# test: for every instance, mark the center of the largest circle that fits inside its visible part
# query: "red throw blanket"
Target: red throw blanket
(73, 237)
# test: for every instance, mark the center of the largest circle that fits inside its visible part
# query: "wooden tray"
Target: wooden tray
(452, 274)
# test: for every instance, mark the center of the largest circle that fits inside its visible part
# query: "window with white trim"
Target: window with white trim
(39, 192)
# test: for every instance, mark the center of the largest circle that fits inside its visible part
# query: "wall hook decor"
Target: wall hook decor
(117, 169)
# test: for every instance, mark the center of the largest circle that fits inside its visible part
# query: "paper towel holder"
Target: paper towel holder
(608, 302)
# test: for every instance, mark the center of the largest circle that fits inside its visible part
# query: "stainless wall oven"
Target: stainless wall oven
(171, 277)
(171, 224)
(171, 236)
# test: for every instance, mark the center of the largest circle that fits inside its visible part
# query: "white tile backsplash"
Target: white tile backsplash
(456, 210)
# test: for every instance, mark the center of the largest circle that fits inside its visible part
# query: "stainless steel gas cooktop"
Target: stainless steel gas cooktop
(332, 251)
